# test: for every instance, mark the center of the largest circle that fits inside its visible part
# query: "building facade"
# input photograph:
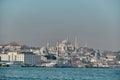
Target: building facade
(25, 58)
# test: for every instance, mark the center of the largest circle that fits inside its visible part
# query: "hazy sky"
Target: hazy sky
(34, 22)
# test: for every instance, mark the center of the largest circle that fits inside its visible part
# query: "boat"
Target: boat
(4, 65)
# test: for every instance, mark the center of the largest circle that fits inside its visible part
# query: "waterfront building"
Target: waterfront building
(64, 53)
(25, 58)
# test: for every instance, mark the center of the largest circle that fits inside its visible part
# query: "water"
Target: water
(32, 73)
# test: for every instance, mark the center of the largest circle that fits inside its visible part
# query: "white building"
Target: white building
(26, 58)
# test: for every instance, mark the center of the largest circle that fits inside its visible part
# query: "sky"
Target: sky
(35, 22)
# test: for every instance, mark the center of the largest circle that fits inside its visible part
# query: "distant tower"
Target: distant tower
(57, 45)
(67, 38)
(86, 45)
(48, 44)
(76, 44)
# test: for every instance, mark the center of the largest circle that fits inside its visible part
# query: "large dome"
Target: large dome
(65, 42)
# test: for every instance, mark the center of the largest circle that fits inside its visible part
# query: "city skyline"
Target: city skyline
(36, 22)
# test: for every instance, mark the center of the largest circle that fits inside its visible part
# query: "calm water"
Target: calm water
(31, 73)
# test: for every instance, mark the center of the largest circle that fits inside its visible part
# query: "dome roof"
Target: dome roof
(43, 48)
(65, 42)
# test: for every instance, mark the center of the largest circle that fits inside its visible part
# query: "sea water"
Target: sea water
(37, 73)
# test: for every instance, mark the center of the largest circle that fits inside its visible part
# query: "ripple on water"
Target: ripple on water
(59, 74)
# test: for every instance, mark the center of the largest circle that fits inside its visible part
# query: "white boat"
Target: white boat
(49, 64)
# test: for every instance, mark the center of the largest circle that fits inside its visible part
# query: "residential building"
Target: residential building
(12, 46)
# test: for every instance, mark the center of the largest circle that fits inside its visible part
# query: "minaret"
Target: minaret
(76, 44)
(86, 45)
(48, 44)
(67, 38)
(57, 45)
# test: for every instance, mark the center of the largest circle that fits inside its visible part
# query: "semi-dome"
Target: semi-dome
(43, 50)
